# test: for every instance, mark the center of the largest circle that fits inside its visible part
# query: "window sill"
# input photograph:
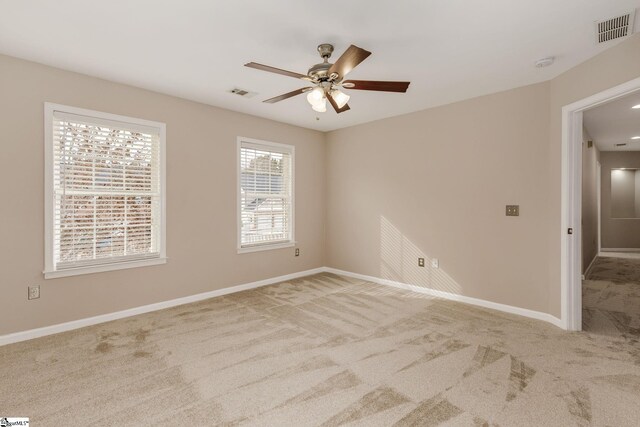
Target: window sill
(259, 248)
(105, 267)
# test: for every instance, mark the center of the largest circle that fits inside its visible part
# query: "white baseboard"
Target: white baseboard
(546, 317)
(626, 255)
(586, 272)
(80, 323)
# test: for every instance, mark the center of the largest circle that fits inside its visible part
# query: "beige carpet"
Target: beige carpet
(611, 297)
(615, 269)
(323, 351)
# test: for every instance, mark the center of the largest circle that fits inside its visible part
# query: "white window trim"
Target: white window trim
(264, 246)
(50, 271)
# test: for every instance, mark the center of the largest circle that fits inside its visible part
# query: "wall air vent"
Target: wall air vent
(243, 93)
(615, 28)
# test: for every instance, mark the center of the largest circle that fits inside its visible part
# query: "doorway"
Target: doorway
(572, 261)
(610, 225)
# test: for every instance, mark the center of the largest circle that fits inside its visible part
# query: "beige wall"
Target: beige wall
(394, 187)
(636, 199)
(201, 199)
(614, 66)
(435, 184)
(432, 183)
(622, 194)
(620, 232)
(590, 157)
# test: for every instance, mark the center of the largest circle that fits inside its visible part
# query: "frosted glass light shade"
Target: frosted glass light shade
(341, 98)
(321, 106)
(315, 96)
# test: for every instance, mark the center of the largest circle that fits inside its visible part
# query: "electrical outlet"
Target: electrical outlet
(435, 263)
(420, 262)
(513, 210)
(34, 292)
(297, 251)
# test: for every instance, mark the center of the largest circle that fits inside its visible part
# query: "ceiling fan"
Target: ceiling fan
(328, 79)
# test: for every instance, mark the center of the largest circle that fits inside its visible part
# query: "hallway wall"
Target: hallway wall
(590, 157)
(618, 232)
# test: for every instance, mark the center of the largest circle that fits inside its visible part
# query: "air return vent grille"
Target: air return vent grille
(242, 92)
(615, 28)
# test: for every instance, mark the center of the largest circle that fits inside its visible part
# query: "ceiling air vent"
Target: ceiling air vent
(615, 28)
(243, 93)
(621, 145)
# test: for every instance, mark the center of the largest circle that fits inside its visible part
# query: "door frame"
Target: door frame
(571, 208)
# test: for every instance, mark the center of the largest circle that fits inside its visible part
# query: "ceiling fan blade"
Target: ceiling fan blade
(335, 105)
(275, 70)
(349, 60)
(376, 85)
(287, 95)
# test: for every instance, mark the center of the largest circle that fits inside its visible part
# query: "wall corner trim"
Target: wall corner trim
(89, 321)
(538, 315)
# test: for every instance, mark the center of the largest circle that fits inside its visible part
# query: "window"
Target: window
(265, 195)
(105, 203)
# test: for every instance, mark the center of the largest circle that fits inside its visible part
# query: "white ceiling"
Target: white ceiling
(615, 123)
(449, 50)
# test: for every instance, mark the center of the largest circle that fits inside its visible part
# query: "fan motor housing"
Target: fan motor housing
(319, 71)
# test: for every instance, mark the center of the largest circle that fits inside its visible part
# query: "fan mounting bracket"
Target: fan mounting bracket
(325, 50)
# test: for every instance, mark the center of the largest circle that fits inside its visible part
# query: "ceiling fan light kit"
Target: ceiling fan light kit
(316, 96)
(328, 79)
(320, 107)
(341, 98)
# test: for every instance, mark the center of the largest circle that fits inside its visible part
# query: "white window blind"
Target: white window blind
(266, 193)
(107, 195)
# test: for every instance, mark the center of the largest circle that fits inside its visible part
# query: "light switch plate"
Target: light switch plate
(513, 210)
